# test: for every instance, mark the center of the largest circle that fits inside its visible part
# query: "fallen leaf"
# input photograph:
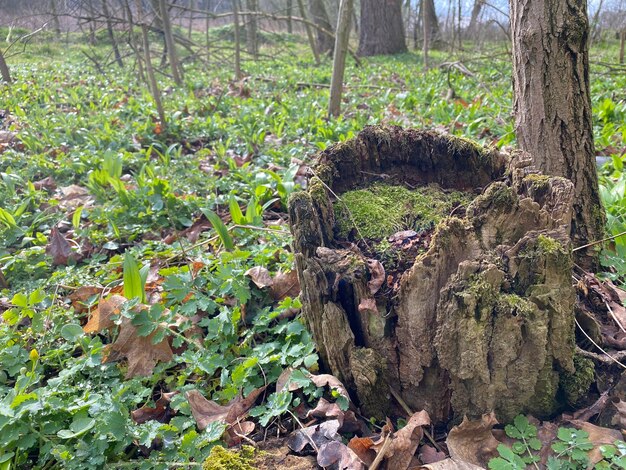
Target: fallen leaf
(338, 455)
(452, 464)
(596, 408)
(284, 378)
(314, 436)
(324, 380)
(367, 305)
(236, 432)
(161, 411)
(140, 351)
(473, 441)
(620, 418)
(428, 454)
(46, 183)
(598, 436)
(207, 411)
(80, 296)
(101, 317)
(285, 285)
(260, 276)
(406, 440)
(74, 196)
(377, 275)
(362, 447)
(326, 409)
(59, 248)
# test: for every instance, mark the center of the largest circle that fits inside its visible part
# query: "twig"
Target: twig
(381, 453)
(601, 357)
(612, 237)
(614, 317)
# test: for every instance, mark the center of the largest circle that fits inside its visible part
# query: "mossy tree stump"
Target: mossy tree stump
(479, 317)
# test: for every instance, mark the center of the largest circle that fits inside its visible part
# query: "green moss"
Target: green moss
(222, 459)
(550, 245)
(576, 385)
(543, 404)
(382, 210)
(536, 181)
(464, 146)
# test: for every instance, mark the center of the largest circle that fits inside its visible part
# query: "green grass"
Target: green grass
(226, 145)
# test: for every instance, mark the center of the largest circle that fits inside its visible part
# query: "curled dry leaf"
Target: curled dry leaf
(473, 441)
(46, 183)
(367, 305)
(314, 436)
(236, 433)
(452, 464)
(74, 196)
(339, 456)
(406, 440)
(377, 275)
(207, 411)
(282, 285)
(161, 411)
(59, 248)
(283, 380)
(324, 380)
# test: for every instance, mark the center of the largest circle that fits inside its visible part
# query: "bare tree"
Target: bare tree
(111, 34)
(309, 32)
(251, 28)
(382, 29)
(342, 37)
(169, 41)
(476, 10)
(319, 16)
(552, 105)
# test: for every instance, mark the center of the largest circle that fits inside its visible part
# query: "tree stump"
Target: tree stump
(439, 272)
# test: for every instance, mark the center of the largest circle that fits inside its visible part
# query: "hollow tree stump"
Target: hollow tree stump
(480, 319)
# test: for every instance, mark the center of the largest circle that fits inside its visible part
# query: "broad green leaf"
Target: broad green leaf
(220, 228)
(7, 219)
(72, 332)
(235, 211)
(133, 287)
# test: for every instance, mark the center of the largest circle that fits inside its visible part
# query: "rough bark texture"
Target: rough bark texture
(552, 105)
(382, 29)
(482, 321)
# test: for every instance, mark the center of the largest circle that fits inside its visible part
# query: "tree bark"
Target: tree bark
(111, 34)
(289, 16)
(252, 29)
(238, 74)
(382, 28)
(622, 40)
(429, 11)
(342, 37)
(309, 33)
(4, 69)
(552, 105)
(169, 41)
(325, 43)
(476, 9)
(426, 18)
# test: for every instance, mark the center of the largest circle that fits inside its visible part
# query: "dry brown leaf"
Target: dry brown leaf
(367, 305)
(207, 411)
(59, 248)
(46, 183)
(428, 454)
(338, 455)
(473, 441)
(80, 296)
(101, 316)
(260, 276)
(362, 447)
(74, 196)
(326, 409)
(285, 285)
(452, 464)
(314, 436)
(377, 275)
(620, 418)
(237, 431)
(323, 380)
(598, 436)
(140, 352)
(406, 440)
(161, 411)
(284, 380)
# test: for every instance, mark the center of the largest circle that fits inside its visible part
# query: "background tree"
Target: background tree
(552, 104)
(382, 28)
(325, 43)
(342, 38)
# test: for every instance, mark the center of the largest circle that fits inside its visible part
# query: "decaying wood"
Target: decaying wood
(482, 321)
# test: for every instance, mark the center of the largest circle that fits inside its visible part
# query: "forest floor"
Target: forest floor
(100, 202)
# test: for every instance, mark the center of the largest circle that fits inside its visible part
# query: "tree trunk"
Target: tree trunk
(309, 33)
(429, 11)
(55, 18)
(426, 18)
(325, 43)
(470, 316)
(342, 36)
(289, 16)
(382, 29)
(4, 69)
(622, 40)
(472, 28)
(251, 29)
(169, 41)
(552, 105)
(111, 34)
(238, 74)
